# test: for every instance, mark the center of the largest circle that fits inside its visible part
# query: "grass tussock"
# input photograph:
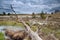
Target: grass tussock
(1, 36)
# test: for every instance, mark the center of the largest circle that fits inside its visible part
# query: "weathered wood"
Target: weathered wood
(31, 33)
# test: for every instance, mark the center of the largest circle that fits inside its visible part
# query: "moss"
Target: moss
(1, 36)
(34, 28)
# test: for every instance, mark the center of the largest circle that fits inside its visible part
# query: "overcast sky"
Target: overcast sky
(29, 6)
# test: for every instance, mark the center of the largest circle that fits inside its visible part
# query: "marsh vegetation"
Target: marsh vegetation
(41, 26)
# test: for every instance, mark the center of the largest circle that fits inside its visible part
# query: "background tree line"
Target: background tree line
(4, 13)
(42, 15)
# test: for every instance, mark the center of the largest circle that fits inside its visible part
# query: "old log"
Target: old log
(31, 33)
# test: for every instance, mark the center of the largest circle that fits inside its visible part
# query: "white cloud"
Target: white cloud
(31, 5)
(17, 2)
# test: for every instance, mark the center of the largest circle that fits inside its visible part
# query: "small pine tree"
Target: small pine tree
(33, 15)
(42, 15)
(52, 13)
(4, 13)
(8, 13)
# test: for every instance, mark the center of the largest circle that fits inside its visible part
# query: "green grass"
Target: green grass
(1, 36)
(10, 23)
(57, 34)
(46, 30)
(51, 29)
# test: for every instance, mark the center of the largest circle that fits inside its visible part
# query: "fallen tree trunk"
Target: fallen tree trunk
(31, 33)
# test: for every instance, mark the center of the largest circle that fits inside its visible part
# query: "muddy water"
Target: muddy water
(14, 28)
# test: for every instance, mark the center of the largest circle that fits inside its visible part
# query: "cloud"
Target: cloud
(30, 5)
